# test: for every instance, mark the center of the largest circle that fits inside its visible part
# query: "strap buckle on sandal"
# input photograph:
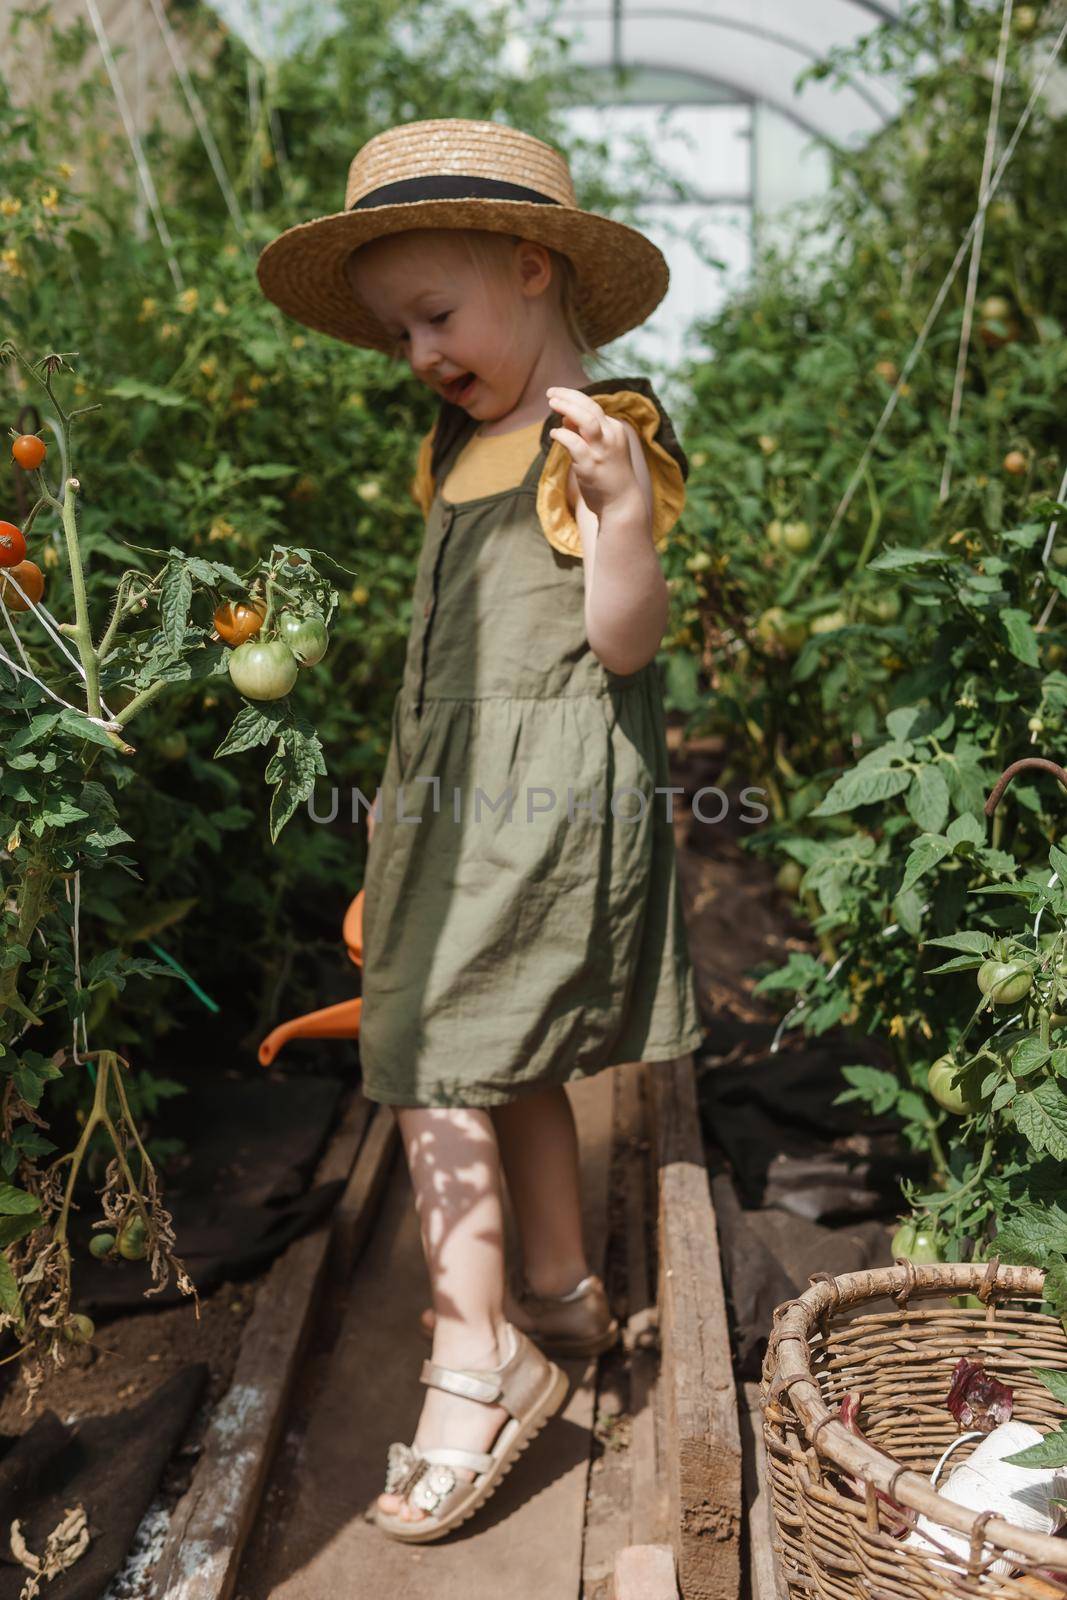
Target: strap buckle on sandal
(472, 1385)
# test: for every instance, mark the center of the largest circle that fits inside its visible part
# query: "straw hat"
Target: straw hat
(454, 173)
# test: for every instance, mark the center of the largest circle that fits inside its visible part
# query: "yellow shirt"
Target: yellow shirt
(498, 462)
(489, 464)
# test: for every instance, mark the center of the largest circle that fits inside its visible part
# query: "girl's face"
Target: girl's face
(471, 336)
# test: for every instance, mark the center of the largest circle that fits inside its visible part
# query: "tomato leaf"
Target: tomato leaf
(15, 1202)
(925, 854)
(252, 726)
(10, 1303)
(174, 603)
(1051, 1452)
(862, 787)
(134, 389)
(1055, 1382)
(293, 768)
(1028, 1056)
(927, 799)
(1022, 640)
(12, 1229)
(1041, 1117)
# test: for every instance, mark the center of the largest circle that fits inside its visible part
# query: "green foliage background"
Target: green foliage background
(879, 682)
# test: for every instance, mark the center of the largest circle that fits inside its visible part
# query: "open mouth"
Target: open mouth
(460, 388)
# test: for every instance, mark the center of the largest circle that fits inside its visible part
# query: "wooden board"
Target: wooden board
(358, 1205)
(645, 1572)
(703, 1458)
(211, 1522)
(764, 1575)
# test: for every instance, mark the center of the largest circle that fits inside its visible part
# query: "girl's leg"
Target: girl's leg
(454, 1163)
(538, 1144)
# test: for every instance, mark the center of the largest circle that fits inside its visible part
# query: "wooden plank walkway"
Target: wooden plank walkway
(312, 1539)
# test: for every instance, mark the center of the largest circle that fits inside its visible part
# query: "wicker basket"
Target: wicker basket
(835, 1542)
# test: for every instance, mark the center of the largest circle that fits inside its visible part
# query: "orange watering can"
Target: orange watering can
(333, 1022)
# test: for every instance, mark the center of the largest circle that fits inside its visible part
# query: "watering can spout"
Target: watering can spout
(333, 1022)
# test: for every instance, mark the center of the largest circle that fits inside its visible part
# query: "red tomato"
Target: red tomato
(30, 577)
(29, 451)
(12, 545)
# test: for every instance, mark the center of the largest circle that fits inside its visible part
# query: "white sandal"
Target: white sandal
(529, 1387)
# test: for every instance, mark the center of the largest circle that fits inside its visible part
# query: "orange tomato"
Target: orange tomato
(1015, 463)
(29, 577)
(237, 621)
(12, 545)
(29, 451)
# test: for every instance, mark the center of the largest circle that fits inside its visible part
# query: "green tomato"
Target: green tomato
(133, 1240)
(886, 607)
(173, 746)
(796, 536)
(830, 622)
(306, 637)
(263, 671)
(698, 563)
(80, 1328)
(788, 876)
(776, 626)
(1005, 982)
(914, 1243)
(101, 1244)
(949, 1096)
(774, 532)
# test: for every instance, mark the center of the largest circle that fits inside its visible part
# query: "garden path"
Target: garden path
(312, 1539)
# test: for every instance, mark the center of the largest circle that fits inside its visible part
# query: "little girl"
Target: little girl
(522, 924)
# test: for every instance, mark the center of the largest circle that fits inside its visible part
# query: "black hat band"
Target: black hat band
(450, 186)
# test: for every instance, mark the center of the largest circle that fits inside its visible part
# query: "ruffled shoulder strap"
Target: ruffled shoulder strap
(635, 400)
(446, 437)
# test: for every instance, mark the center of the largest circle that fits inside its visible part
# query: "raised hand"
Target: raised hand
(599, 448)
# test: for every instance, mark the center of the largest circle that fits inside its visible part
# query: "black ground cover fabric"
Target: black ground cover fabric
(112, 1465)
(242, 1192)
(790, 1146)
(799, 1184)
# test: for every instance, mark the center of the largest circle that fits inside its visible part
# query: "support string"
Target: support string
(143, 172)
(992, 128)
(939, 299)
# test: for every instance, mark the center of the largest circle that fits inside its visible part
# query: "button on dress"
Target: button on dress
(522, 918)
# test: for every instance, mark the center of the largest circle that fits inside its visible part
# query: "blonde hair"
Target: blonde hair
(485, 249)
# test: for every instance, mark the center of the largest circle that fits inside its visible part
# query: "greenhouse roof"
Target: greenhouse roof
(736, 50)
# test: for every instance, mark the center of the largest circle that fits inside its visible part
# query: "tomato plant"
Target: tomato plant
(937, 563)
(64, 761)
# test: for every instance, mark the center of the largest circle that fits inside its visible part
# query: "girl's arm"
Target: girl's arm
(610, 493)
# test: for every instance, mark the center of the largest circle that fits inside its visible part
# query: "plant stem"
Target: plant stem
(141, 700)
(84, 636)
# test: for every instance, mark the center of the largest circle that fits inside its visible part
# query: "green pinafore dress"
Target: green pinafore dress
(522, 923)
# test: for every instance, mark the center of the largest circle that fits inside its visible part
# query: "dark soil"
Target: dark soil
(132, 1355)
